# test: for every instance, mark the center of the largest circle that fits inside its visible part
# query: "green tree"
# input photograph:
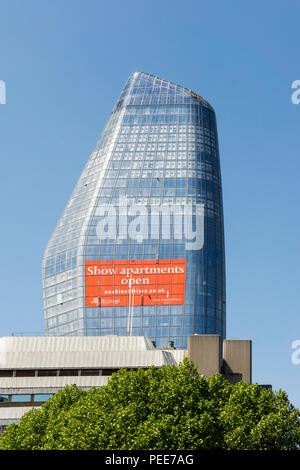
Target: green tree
(172, 407)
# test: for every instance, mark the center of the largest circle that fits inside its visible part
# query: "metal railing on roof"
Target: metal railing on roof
(39, 333)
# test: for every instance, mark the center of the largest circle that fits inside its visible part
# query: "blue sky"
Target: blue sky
(65, 64)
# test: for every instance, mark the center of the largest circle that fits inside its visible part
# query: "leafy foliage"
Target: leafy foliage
(172, 407)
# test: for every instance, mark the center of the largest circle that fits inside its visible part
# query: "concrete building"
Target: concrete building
(33, 369)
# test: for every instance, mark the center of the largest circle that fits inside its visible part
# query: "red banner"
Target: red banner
(134, 283)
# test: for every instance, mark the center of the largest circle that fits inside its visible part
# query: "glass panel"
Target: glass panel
(108, 371)
(42, 396)
(89, 372)
(47, 373)
(6, 373)
(68, 372)
(21, 398)
(25, 373)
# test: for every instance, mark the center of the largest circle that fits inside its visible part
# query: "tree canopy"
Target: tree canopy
(166, 408)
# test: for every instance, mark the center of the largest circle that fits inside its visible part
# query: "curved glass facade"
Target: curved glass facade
(158, 151)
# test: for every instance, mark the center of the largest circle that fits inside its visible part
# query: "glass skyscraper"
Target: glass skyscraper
(120, 259)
